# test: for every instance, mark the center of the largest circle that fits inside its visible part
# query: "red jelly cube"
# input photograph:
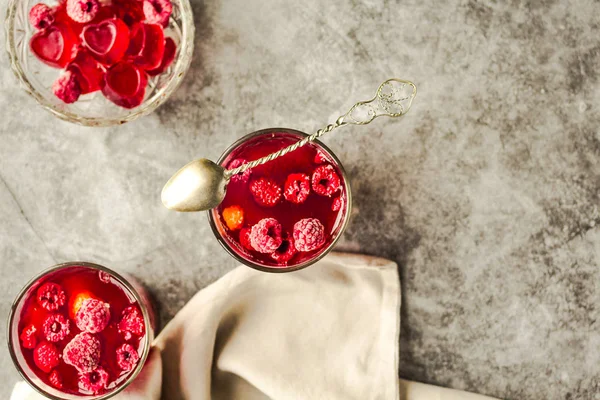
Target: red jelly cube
(168, 57)
(55, 45)
(89, 71)
(107, 40)
(147, 45)
(125, 85)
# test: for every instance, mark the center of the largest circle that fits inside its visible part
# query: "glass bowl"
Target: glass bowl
(335, 224)
(93, 109)
(134, 293)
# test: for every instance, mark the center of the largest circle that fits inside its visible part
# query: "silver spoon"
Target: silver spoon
(201, 184)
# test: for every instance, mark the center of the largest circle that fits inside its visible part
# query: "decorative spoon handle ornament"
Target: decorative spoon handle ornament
(201, 184)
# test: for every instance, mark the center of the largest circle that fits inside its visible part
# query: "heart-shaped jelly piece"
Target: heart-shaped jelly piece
(168, 57)
(147, 45)
(107, 40)
(55, 45)
(125, 85)
(89, 71)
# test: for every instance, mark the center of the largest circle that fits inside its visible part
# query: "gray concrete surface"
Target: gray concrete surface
(486, 194)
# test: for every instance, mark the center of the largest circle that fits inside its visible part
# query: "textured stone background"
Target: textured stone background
(486, 194)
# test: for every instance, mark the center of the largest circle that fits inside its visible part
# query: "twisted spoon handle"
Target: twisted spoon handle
(393, 99)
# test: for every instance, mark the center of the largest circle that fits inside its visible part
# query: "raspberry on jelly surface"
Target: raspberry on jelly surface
(245, 238)
(46, 356)
(337, 204)
(94, 381)
(320, 157)
(265, 236)
(56, 327)
(41, 16)
(104, 276)
(51, 296)
(241, 177)
(158, 11)
(234, 217)
(67, 87)
(56, 379)
(83, 352)
(82, 10)
(132, 323)
(297, 188)
(29, 336)
(265, 192)
(325, 181)
(309, 234)
(93, 316)
(127, 357)
(286, 251)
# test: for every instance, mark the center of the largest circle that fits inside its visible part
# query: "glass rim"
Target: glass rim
(122, 280)
(180, 68)
(306, 263)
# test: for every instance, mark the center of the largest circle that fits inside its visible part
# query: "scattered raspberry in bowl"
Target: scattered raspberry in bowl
(265, 236)
(51, 296)
(46, 356)
(93, 316)
(56, 327)
(94, 381)
(309, 234)
(127, 357)
(83, 352)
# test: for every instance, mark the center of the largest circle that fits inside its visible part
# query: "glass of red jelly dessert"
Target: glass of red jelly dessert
(100, 62)
(80, 330)
(288, 213)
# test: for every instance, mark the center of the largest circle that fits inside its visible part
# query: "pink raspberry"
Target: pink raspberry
(93, 316)
(266, 235)
(325, 181)
(285, 251)
(83, 352)
(245, 238)
(337, 204)
(132, 323)
(94, 381)
(28, 337)
(127, 357)
(243, 177)
(56, 379)
(309, 234)
(320, 158)
(297, 188)
(51, 296)
(56, 328)
(66, 87)
(46, 356)
(265, 192)
(158, 11)
(104, 276)
(82, 10)
(41, 16)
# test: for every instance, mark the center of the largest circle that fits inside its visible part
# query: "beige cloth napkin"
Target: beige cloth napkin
(327, 332)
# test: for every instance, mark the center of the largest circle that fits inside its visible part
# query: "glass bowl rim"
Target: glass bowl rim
(123, 281)
(311, 261)
(180, 68)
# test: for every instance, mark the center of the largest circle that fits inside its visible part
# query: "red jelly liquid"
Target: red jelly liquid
(80, 282)
(302, 160)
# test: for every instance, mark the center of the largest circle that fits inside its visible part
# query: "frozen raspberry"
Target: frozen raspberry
(325, 181)
(83, 352)
(82, 10)
(265, 191)
(285, 251)
(28, 337)
(297, 188)
(67, 87)
(320, 158)
(243, 177)
(309, 234)
(337, 204)
(56, 328)
(266, 235)
(40, 16)
(127, 357)
(93, 316)
(104, 276)
(51, 296)
(158, 11)
(46, 356)
(245, 238)
(56, 380)
(234, 217)
(132, 323)
(94, 381)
